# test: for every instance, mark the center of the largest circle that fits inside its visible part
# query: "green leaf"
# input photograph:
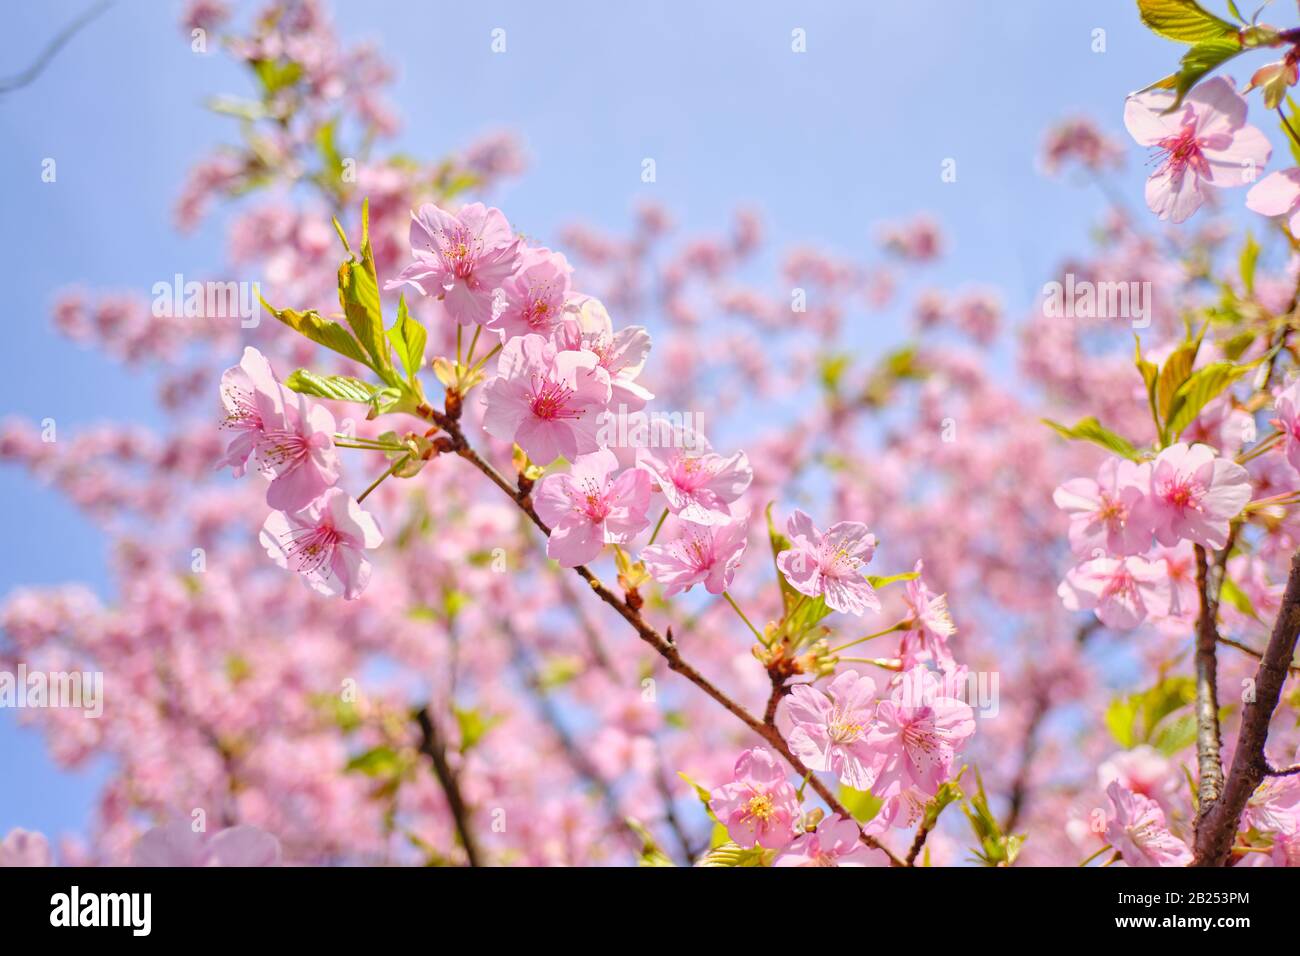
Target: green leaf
(651, 853)
(1120, 718)
(780, 543)
(474, 725)
(1200, 61)
(359, 297)
(408, 337)
(729, 854)
(1293, 123)
(1176, 370)
(340, 388)
(321, 331)
(1175, 735)
(276, 74)
(996, 848)
(862, 804)
(880, 582)
(1089, 429)
(1150, 375)
(1183, 20)
(1201, 388)
(1230, 591)
(376, 762)
(331, 161)
(1246, 261)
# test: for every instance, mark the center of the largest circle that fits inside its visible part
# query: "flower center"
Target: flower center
(310, 549)
(551, 401)
(760, 807)
(1183, 150)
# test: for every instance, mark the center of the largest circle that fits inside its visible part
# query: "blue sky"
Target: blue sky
(828, 143)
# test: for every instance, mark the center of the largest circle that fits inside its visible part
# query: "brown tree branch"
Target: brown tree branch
(662, 644)
(433, 747)
(1208, 741)
(1217, 824)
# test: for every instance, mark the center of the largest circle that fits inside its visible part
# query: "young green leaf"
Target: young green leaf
(1183, 20)
(359, 297)
(1201, 388)
(321, 331)
(1089, 429)
(340, 388)
(408, 337)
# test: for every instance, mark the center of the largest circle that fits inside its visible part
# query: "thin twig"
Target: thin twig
(18, 80)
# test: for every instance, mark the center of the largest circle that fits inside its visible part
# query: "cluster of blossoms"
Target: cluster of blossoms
(1134, 528)
(254, 698)
(317, 529)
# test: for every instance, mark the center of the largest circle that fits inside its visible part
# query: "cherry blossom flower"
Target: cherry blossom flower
(177, 844)
(836, 842)
(1287, 422)
(299, 455)
(929, 627)
(1122, 591)
(252, 397)
(1205, 141)
(325, 543)
(534, 295)
(1146, 771)
(24, 848)
(917, 733)
(1278, 194)
(829, 728)
(545, 400)
(1136, 828)
(698, 484)
(830, 565)
(463, 259)
(1194, 494)
(758, 807)
(1274, 807)
(687, 554)
(622, 353)
(588, 507)
(1099, 510)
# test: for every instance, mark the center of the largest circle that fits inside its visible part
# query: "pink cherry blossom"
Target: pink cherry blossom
(1287, 422)
(835, 842)
(1274, 807)
(547, 401)
(22, 848)
(1278, 194)
(1194, 494)
(325, 543)
(1099, 510)
(1136, 828)
(588, 507)
(1122, 591)
(758, 807)
(622, 352)
(698, 485)
(687, 554)
(1206, 141)
(177, 844)
(829, 728)
(535, 294)
(830, 565)
(464, 259)
(299, 455)
(253, 398)
(929, 627)
(917, 733)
